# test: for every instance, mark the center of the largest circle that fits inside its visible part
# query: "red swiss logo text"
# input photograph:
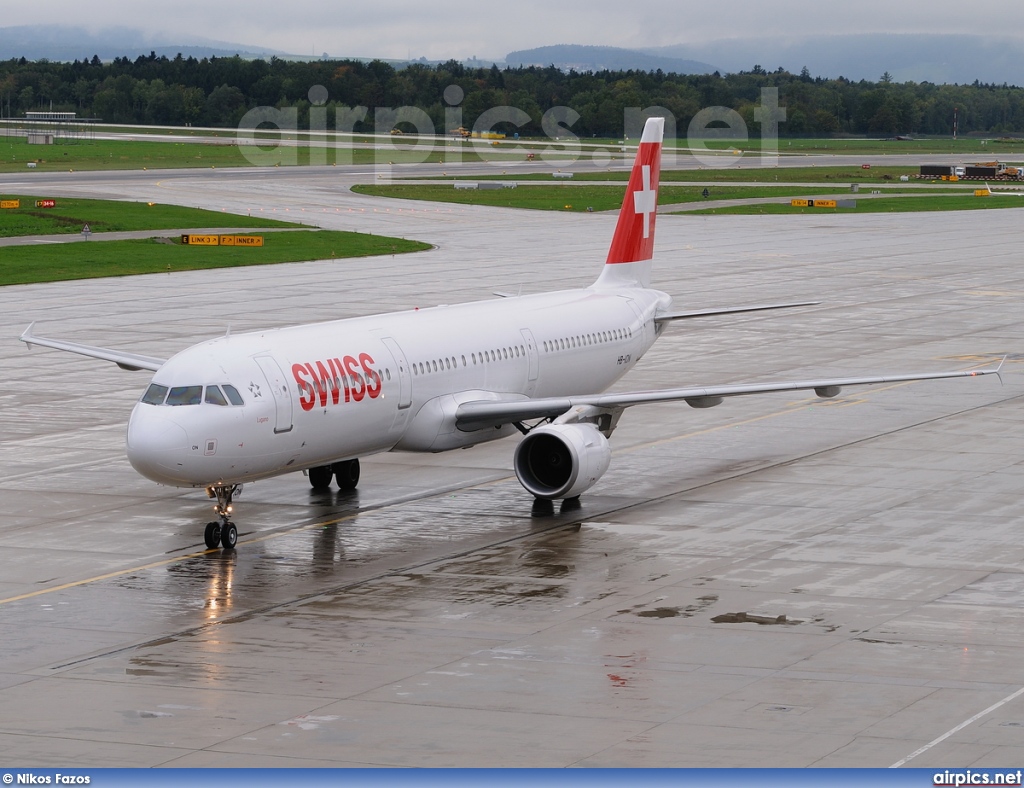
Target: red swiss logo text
(345, 379)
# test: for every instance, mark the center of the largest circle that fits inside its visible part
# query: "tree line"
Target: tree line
(219, 91)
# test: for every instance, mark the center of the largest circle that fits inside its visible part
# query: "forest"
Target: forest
(219, 91)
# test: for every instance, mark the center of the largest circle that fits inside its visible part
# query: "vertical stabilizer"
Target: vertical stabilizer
(629, 258)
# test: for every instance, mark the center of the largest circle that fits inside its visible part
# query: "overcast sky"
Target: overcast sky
(438, 29)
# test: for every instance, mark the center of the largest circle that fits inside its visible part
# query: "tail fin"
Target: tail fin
(629, 258)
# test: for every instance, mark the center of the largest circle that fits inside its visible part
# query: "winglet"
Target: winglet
(998, 371)
(26, 335)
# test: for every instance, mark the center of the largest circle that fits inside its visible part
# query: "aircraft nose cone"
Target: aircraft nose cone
(156, 446)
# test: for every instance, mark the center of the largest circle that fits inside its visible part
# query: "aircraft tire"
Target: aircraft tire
(229, 536)
(320, 477)
(347, 474)
(212, 535)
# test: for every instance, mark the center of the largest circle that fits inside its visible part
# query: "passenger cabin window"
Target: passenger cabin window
(155, 394)
(185, 395)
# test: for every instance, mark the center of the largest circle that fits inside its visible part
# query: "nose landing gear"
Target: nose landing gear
(222, 531)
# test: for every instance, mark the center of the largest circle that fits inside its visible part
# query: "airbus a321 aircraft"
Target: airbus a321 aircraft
(317, 397)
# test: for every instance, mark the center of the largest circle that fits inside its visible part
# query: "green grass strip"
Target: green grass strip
(71, 213)
(877, 205)
(91, 259)
(16, 153)
(565, 197)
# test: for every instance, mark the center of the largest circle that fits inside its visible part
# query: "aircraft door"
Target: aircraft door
(279, 387)
(532, 356)
(639, 338)
(404, 376)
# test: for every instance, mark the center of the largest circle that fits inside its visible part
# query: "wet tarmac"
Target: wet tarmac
(780, 581)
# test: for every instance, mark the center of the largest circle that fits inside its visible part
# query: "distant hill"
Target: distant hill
(66, 43)
(594, 58)
(942, 59)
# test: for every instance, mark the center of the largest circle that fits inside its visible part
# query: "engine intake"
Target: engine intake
(561, 460)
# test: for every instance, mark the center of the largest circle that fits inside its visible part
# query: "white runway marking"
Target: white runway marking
(958, 728)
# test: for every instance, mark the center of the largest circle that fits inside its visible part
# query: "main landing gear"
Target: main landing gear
(222, 531)
(346, 473)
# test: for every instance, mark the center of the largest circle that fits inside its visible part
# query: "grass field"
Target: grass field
(70, 213)
(175, 148)
(545, 197)
(16, 153)
(91, 259)
(912, 204)
(563, 197)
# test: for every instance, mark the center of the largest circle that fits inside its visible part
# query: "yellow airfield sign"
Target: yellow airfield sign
(200, 240)
(241, 240)
(222, 240)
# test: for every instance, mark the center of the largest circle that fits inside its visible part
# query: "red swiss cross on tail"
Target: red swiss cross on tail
(634, 234)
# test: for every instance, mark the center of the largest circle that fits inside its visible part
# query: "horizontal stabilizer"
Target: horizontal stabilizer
(728, 310)
(130, 361)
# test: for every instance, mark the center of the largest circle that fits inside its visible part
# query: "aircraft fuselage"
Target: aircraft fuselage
(322, 393)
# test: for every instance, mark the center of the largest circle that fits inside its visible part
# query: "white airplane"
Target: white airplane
(317, 397)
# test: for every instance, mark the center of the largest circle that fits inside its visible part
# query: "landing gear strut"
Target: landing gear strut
(222, 531)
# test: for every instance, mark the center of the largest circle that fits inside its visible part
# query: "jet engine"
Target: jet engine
(561, 460)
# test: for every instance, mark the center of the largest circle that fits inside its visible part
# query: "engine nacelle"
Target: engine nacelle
(561, 460)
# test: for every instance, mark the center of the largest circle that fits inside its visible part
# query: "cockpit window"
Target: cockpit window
(233, 396)
(191, 395)
(155, 394)
(214, 397)
(185, 395)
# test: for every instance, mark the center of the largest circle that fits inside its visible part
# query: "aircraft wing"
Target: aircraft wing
(665, 317)
(1002, 193)
(478, 415)
(129, 361)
